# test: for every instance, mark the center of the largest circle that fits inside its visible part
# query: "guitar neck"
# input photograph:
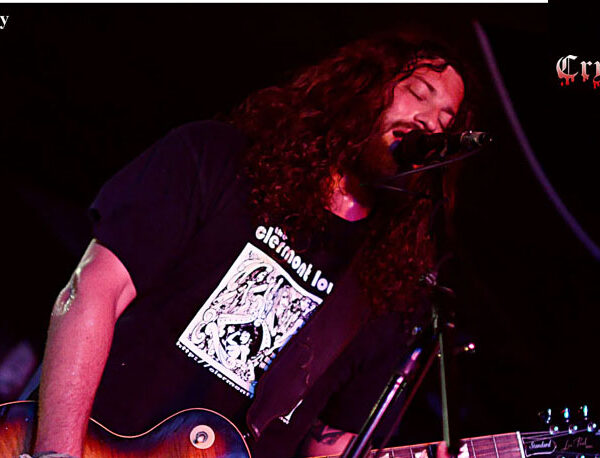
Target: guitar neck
(496, 446)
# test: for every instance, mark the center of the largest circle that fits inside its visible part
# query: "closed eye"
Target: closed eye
(417, 96)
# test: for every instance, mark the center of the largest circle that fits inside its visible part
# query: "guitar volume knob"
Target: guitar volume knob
(202, 437)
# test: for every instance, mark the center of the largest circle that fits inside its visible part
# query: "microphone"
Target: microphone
(417, 146)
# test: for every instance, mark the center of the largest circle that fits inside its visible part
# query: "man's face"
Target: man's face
(426, 100)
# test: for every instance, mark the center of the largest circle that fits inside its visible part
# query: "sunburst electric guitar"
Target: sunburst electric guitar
(202, 433)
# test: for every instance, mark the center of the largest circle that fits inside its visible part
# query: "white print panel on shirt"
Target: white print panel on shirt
(251, 314)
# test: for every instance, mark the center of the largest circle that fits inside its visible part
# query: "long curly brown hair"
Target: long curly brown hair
(317, 124)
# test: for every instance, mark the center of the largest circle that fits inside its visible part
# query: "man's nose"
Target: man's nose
(428, 122)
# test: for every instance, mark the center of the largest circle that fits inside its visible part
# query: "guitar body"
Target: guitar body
(197, 433)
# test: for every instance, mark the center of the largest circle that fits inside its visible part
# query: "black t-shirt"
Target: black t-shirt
(218, 296)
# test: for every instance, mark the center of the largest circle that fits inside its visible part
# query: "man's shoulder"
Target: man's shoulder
(209, 132)
(208, 146)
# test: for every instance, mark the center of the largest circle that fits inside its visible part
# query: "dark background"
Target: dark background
(85, 88)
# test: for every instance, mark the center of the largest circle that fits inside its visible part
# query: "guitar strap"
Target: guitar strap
(32, 385)
(309, 353)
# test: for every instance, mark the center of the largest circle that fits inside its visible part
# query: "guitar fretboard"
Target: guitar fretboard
(497, 446)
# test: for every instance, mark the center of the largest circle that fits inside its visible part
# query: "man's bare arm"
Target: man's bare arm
(323, 440)
(79, 340)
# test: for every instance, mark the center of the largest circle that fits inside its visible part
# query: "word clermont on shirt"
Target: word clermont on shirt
(275, 239)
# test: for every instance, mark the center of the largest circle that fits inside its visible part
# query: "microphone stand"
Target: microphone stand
(445, 331)
(423, 348)
(436, 340)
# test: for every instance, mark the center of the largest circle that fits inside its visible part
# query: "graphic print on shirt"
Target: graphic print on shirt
(251, 314)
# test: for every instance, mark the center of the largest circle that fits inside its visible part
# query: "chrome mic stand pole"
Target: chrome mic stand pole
(396, 386)
(444, 329)
(437, 337)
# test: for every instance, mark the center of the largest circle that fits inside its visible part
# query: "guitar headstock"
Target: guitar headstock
(568, 434)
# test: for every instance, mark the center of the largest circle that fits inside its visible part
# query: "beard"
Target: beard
(375, 165)
(375, 162)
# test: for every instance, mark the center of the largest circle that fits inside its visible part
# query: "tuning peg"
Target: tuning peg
(591, 427)
(566, 414)
(583, 411)
(545, 415)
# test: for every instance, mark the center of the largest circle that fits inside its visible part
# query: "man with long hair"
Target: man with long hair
(254, 266)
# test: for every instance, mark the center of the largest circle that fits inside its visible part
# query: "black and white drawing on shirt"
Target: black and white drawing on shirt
(251, 314)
